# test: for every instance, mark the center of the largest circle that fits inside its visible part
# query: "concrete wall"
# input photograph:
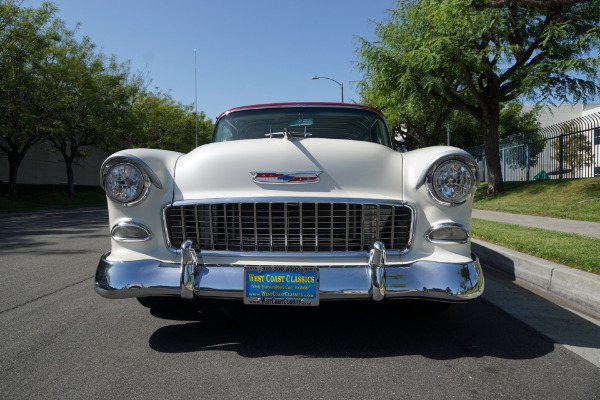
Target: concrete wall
(42, 166)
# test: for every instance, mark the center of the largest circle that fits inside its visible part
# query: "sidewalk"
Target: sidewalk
(561, 225)
(577, 288)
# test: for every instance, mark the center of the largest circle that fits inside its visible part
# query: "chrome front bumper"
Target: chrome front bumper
(375, 280)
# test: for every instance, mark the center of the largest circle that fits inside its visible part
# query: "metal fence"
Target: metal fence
(570, 149)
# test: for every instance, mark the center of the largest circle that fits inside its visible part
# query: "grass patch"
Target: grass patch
(569, 249)
(577, 199)
(48, 200)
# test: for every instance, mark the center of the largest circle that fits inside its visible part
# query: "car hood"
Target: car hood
(347, 169)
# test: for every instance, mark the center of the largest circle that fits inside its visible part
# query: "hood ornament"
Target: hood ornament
(287, 134)
(279, 178)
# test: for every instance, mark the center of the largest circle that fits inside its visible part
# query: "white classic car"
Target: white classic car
(292, 204)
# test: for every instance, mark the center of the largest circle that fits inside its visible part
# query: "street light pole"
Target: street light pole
(339, 83)
(196, 95)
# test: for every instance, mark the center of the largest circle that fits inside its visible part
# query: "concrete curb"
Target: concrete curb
(574, 286)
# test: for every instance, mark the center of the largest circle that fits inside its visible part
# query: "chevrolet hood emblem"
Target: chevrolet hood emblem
(286, 177)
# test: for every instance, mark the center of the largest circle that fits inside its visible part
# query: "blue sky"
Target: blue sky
(248, 51)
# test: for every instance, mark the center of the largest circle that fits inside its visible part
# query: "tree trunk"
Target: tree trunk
(492, 151)
(15, 152)
(13, 166)
(70, 179)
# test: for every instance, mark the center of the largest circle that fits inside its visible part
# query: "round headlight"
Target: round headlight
(452, 181)
(124, 183)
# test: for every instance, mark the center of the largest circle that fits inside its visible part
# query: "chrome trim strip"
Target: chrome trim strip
(301, 228)
(393, 225)
(240, 225)
(319, 200)
(331, 228)
(347, 224)
(255, 228)
(165, 230)
(225, 225)
(411, 235)
(285, 225)
(212, 236)
(295, 256)
(362, 231)
(270, 227)
(316, 227)
(197, 224)
(182, 223)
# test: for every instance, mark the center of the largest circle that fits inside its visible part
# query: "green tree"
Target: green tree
(483, 4)
(420, 122)
(84, 99)
(466, 131)
(26, 34)
(163, 123)
(474, 61)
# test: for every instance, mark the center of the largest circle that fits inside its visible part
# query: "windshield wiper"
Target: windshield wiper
(288, 135)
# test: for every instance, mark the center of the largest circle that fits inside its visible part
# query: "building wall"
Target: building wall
(42, 166)
(551, 115)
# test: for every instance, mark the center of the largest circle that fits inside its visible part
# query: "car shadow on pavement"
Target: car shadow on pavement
(525, 299)
(351, 330)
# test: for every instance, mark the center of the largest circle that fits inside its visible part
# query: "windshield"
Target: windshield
(313, 122)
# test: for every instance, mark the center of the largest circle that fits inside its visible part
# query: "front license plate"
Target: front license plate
(281, 285)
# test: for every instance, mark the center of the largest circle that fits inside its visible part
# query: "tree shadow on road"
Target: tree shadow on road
(51, 232)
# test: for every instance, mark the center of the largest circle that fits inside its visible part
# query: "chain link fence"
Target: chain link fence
(569, 149)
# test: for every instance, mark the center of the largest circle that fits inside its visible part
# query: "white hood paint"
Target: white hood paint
(349, 169)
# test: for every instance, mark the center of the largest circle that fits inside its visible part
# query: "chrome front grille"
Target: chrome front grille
(289, 226)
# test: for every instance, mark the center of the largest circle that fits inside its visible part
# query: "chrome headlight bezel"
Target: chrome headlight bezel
(145, 177)
(468, 170)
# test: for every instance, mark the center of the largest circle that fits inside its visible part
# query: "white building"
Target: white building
(552, 115)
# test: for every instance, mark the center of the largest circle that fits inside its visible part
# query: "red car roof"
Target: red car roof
(316, 104)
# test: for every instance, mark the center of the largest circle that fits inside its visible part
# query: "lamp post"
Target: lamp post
(341, 84)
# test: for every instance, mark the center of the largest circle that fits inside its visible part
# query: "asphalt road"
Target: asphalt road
(59, 339)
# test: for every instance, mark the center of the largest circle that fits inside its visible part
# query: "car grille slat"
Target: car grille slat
(289, 226)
